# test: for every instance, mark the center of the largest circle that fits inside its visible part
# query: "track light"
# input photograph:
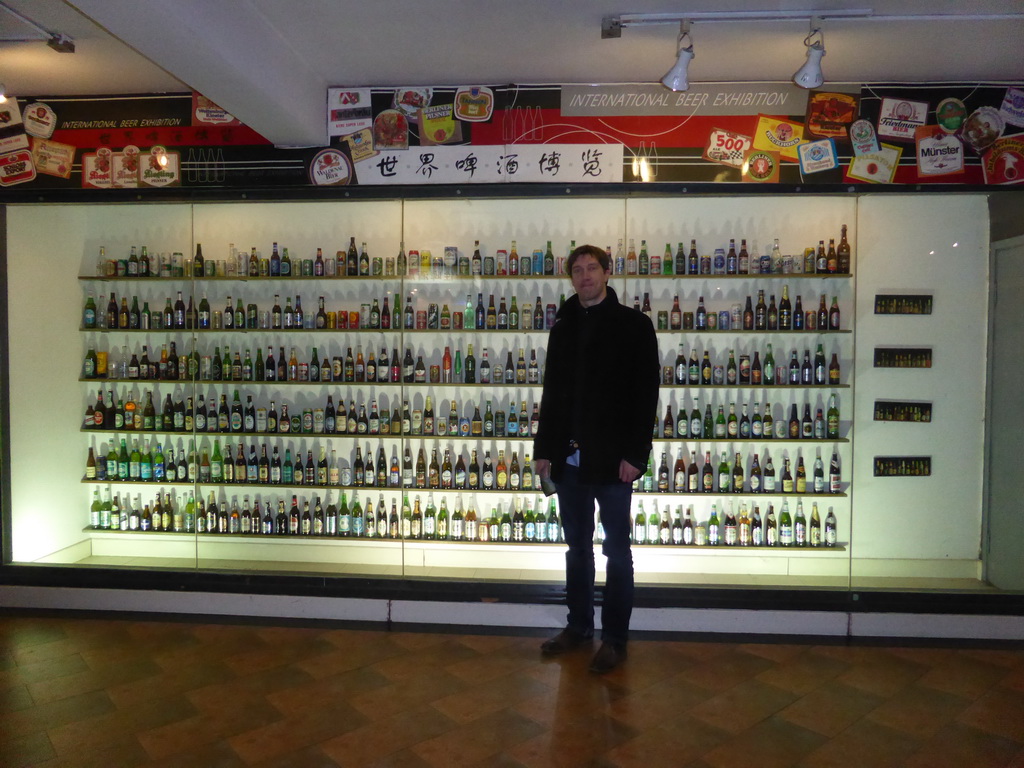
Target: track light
(809, 75)
(676, 79)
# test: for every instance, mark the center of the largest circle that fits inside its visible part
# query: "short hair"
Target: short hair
(588, 250)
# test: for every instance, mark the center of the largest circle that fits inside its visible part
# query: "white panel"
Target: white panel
(938, 245)
(48, 246)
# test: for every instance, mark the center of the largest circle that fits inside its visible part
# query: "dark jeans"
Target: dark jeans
(577, 509)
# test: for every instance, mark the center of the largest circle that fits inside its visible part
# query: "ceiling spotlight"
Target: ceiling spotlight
(61, 43)
(809, 75)
(675, 79)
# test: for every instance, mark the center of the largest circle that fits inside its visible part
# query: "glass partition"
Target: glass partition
(371, 411)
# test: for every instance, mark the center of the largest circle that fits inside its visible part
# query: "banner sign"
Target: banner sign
(492, 134)
(701, 99)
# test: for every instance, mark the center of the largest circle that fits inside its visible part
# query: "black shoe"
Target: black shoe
(566, 640)
(608, 657)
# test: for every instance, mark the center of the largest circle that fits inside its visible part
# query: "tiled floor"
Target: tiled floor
(115, 693)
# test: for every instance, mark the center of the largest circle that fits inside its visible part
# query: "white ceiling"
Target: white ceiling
(270, 61)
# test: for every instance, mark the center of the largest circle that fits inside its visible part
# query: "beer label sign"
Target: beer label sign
(899, 118)
(829, 115)
(782, 136)
(863, 138)
(876, 167)
(950, 114)
(39, 120)
(125, 168)
(938, 153)
(97, 169)
(474, 103)
(160, 168)
(761, 166)
(53, 157)
(348, 111)
(817, 156)
(1004, 161)
(16, 168)
(329, 168)
(1012, 108)
(726, 148)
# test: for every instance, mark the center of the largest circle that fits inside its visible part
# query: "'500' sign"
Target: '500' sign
(726, 147)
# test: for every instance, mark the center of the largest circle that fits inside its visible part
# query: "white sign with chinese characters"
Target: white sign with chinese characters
(552, 163)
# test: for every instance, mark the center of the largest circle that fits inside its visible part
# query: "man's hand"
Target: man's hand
(542, 467)
(627, 472)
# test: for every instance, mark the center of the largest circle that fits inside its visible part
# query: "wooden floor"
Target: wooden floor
(82, 692)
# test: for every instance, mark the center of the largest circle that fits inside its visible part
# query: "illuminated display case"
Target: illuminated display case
(50, 513)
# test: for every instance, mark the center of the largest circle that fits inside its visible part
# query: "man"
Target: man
(596, 421)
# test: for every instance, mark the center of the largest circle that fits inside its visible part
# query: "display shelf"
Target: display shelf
(738, 494)
(425, 542)
(419, 277)
(536, 491)
(427, 290)
(373, 435)
(791, 387)
(745, 440)
(743, 333)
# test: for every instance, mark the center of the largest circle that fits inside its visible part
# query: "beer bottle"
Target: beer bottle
(785, 311)
(760, 313)
(724, 475)
(843, 254)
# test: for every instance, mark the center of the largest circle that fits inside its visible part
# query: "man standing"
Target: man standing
(596, 421)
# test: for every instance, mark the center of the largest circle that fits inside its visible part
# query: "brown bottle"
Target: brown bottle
(843, 254)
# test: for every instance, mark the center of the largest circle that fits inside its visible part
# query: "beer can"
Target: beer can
(718, 375)
(810, 320)
(687, 321)
(353, 319)
(724, 320)
(435, 374)
(421, 319)
(318, 420)
(712, 321)
(364, 315)
(332, 319)
(744, 369)
(662, 320)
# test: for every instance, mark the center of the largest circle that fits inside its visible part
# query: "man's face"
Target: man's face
(589, 280)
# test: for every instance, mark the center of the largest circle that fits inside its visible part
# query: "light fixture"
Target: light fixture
(810, 75)
(675, 79)
(3, 93)
(61, 43)
(56, 40)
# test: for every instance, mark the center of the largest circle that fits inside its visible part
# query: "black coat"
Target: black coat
(601, 383)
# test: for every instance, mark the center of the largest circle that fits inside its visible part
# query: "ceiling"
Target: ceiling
(269, 62)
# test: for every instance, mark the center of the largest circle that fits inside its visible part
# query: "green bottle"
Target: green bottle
(134, 460)
(724, 475)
